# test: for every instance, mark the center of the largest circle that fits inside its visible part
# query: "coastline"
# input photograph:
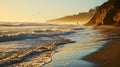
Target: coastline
(38, 56)
(35, 46)
(109, 55)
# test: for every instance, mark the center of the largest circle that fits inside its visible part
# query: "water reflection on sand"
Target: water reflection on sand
(71, 55)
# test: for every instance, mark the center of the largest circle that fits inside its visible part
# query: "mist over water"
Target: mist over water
(25, 39)
(20, 41)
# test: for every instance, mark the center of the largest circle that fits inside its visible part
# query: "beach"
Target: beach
(60, 33)
(88, 40)
(58, 46)
(109, 55)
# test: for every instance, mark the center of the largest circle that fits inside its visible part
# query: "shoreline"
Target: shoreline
(31, 57)
(109, 55)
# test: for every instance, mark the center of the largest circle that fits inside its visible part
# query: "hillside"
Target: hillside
(107, 14)
(81, 17)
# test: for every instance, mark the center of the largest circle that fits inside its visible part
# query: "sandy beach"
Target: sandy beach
(60, 33)
(35, 49)
(109, 55)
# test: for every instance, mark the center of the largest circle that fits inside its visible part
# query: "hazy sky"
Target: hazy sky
(40, 10)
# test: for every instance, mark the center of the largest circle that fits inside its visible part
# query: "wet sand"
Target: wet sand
(88, 40)
(31, 46)
(94, 37)
(108, 56)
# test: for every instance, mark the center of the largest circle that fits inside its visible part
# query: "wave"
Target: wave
(35, 35)
(36, 56)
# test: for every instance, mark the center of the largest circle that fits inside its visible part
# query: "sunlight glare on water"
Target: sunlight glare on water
(70, 55)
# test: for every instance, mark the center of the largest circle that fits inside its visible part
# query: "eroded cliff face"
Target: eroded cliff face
(107, 14)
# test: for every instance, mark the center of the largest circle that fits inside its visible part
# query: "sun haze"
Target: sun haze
(41, 10)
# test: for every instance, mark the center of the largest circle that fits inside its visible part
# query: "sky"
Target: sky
(41, 10)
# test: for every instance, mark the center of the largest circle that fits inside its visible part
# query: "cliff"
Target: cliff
(107, 14)
(81, 17)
